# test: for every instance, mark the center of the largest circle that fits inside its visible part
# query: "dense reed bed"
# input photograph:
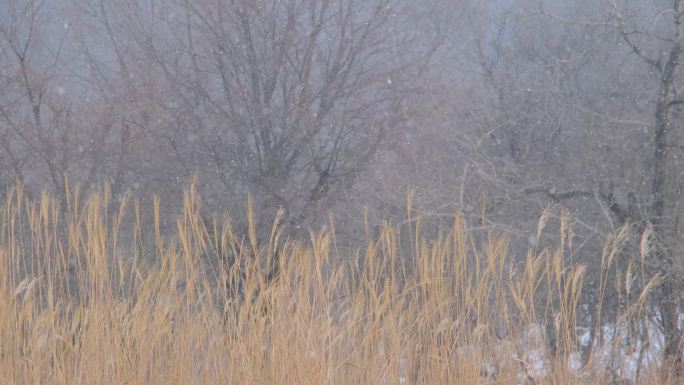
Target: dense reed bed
(89, 295)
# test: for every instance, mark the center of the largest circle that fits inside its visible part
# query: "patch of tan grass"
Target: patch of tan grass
(84, 299)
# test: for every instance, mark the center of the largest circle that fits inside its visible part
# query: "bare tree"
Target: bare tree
(666, 38)
(47, 132)
(650, 50)
(286, 99)
(29, 69)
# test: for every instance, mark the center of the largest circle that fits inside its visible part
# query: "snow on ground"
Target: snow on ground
(618, 353)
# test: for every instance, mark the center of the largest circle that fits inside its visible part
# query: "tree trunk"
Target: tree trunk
(662, 259)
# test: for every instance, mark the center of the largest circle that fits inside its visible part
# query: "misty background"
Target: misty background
(497, 109)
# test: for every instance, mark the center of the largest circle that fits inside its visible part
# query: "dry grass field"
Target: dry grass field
(86, 299)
